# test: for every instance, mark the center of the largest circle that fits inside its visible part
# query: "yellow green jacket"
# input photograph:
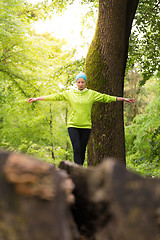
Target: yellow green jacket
(80, 103)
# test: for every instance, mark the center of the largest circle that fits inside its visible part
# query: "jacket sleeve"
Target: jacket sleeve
(55, 97)
(100, 97)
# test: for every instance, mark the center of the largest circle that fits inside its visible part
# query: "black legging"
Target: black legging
(79, 138)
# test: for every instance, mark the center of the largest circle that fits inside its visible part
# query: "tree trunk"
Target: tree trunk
(51, 132)
(105, 69)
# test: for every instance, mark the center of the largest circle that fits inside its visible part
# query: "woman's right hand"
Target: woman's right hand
(32, 100)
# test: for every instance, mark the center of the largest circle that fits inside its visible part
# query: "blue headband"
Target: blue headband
(81, 75)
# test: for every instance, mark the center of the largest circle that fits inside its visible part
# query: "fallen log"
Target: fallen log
(112, 203)
(35, 200)
(109, 202)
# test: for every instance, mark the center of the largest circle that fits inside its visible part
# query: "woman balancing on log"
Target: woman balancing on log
(79, 123)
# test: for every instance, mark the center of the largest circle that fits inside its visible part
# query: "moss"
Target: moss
(94, 64)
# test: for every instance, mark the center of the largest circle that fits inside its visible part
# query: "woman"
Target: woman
(79, 122)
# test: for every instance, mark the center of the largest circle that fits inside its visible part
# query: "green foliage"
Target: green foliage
(143, 136)
(143, 167)
(43, 9)
(36, 129)
(144, 44)
(155, 142)
(142, 98)
(32, 65)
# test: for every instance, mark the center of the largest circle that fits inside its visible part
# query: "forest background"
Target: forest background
(34, 64)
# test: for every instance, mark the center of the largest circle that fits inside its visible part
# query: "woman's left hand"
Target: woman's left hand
(121, 99)
(130, 100)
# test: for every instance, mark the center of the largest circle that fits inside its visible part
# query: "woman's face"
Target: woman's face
(81, 83)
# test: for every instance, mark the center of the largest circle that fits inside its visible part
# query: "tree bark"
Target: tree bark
(105, 69)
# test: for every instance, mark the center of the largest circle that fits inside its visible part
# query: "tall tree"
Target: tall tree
(105, 67)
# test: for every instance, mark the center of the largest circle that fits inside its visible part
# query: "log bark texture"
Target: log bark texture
(109, 202)
(34, 200)
(115, 204)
